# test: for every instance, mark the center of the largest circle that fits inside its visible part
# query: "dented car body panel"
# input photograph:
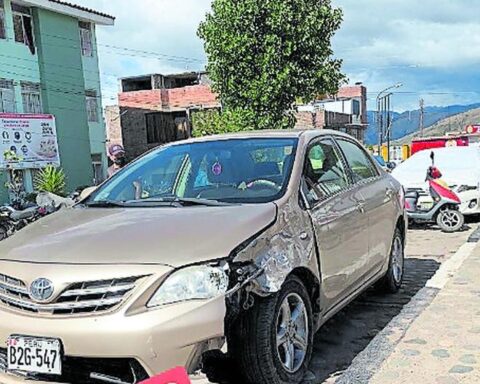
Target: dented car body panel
(128, 260)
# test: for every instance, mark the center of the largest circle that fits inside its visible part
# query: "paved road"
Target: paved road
(349, 332)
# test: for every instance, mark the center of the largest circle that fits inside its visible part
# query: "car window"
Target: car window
(324, 173)
(358, 161)
(253, 170)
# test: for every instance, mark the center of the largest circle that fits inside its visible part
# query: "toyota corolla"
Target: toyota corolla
(239, 244)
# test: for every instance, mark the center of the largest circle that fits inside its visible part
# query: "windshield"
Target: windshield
(229, 171)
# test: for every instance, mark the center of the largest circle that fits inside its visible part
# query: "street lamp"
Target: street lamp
(381, 96)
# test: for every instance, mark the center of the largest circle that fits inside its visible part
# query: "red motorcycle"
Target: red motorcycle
(444, 210)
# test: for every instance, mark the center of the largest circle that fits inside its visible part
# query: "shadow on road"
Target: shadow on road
(350, 331)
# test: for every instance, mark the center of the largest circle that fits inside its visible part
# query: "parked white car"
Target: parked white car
(460, 167)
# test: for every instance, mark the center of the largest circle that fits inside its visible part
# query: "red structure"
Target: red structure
(175, 376)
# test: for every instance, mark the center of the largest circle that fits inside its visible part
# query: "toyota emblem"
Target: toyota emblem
(41, 289)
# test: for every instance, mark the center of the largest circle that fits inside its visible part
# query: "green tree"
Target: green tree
(263, 55)
(214, 122)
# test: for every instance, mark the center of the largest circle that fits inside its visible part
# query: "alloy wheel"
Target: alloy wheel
(397, 259)
(292, 333)
(450, 219)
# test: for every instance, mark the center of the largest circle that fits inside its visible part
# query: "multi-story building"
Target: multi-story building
(346, 111)
(49, 65)
(155, 109)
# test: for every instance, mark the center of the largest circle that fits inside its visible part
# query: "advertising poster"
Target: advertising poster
(33, 138)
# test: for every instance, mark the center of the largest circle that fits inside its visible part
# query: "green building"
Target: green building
(49, 65)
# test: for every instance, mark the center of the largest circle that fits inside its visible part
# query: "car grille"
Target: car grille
(78, 298)
(79, 370)
(3, 360)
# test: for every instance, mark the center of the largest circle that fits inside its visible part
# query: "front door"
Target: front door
(338, 219)
(378, 200)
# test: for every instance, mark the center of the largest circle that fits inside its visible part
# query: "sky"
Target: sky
(432, 47)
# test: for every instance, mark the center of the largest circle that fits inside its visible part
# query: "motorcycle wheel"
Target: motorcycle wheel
(450, 220)
(3, 232)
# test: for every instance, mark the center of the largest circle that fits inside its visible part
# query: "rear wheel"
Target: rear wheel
(450, 220)
(273, 343)
(393, 279)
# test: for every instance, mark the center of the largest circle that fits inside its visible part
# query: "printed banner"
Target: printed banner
(33, 138)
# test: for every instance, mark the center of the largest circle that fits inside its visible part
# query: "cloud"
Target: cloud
(431, 46)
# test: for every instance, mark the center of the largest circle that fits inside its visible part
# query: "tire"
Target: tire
(3, 232)
(255, 340)
(450, 220)
(393, 279)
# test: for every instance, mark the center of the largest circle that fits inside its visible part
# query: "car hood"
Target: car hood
(168, 236)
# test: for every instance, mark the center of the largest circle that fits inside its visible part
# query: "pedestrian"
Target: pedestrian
(116, 153)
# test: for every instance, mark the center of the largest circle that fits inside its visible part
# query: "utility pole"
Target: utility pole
(422, 116)
(383, 114)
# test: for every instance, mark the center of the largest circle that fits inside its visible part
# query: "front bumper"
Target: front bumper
(157, 339)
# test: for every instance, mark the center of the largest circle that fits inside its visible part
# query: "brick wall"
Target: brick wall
(141, 99)
(310, 120)
(169, 99)
(114, 129)
(196, 95)
(358, 92)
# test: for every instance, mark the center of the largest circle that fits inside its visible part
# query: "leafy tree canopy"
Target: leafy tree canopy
(263, 55)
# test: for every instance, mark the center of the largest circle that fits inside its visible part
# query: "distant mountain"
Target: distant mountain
(450, 124)
(406, 123)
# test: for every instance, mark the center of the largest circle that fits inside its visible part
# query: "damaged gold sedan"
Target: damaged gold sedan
(242, 245)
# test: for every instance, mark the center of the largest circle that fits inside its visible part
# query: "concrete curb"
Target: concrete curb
(369, 361)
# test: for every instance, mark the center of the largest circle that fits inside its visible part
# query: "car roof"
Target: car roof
(276, 133)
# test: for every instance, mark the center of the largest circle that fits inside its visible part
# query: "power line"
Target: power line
(160, 55)
(55, 90)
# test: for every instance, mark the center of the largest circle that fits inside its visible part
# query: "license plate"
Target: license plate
(34, 355)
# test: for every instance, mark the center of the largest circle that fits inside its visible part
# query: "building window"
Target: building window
(22, 26)
(32, 100)
(153, 128)
(7, 96)
(86, 38)
(92, 106)
(3, 34)
(97, 165)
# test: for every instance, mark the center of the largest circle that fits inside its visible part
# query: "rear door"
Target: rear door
(378, 203)
(339, 222)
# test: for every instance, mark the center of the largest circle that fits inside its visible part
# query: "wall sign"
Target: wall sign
(33, 138)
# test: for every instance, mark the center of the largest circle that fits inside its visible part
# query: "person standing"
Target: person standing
(116, 153)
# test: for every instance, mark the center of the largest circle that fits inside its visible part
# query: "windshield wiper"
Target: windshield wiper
(105, 204)
(178, 200)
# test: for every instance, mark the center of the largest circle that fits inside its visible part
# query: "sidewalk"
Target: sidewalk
(442, 346)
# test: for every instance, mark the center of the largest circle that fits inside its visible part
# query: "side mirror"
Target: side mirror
(86, 192)
(391, 165)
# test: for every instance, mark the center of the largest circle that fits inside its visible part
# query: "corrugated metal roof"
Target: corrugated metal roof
(85, 9)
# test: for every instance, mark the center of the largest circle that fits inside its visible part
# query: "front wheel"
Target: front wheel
(450, 220)
(273, 342)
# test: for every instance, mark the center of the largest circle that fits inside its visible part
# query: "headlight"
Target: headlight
(465, 188)
(201, 282)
